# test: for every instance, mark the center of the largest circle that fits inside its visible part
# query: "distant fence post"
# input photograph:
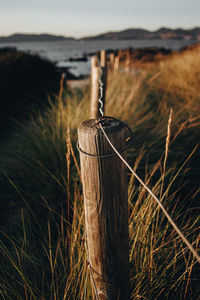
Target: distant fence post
(117, 60)
(111, 60)
(116, 63)
(95, 76)
(103, 58)
(128, 61)
(106, 209)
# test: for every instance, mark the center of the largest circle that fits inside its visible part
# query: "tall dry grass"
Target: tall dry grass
(42, 224)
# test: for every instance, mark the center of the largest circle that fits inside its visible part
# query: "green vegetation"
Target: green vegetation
(42, 217)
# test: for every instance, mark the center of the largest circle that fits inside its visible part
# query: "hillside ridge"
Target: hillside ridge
(163, 33)
(23, 37)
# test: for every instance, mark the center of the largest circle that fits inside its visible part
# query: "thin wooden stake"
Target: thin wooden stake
(116, 63)
(128, 61)
(112, 60)
(103, 58)
(106, 209)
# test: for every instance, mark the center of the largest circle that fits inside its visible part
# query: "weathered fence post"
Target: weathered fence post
(106, 209)
(128, 61)
(116, 63)
(103, 58)
(112, 60)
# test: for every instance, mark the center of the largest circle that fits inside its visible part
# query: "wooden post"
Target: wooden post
(95, 91)
(116, 63)
(95, 73)
(106, 209)
(112, 60)
(103, 58)
(128, 61)
(120, 53)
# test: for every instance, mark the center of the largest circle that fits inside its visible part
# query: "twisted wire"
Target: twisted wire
(101, 88)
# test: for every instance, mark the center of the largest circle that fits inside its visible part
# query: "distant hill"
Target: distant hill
(139, 34)
(20, 37)
(131, 33)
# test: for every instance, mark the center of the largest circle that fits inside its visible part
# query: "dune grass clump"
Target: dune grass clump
(42, 216)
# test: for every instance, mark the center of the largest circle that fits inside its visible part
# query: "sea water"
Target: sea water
(60, 52)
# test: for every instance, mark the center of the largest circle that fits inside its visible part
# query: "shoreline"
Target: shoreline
(75, 55)
(141, 56)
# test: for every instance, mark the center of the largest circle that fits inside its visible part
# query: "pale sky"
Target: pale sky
(80, 18)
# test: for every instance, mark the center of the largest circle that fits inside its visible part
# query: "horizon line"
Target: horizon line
(92, 35)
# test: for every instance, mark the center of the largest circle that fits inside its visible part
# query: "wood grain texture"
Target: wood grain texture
(106, 208)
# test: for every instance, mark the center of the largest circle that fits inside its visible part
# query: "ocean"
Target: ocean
(60, 52)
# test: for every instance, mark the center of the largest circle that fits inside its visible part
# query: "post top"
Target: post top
(110, 125)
